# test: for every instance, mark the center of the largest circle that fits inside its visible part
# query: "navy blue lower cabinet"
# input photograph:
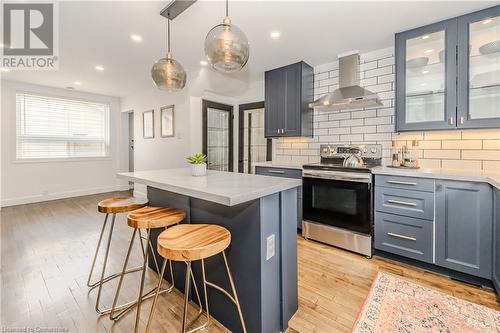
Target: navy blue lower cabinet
(406, 236)
(496, 242)
(464, 228)
(287, 173)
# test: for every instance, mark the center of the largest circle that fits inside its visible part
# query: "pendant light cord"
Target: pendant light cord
(168, 35)
(227, 11)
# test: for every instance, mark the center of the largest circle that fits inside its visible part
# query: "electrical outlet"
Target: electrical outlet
(270, 247)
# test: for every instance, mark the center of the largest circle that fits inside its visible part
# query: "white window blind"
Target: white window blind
(53, 127)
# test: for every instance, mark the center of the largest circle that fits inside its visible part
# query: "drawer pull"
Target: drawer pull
(404, 203)
(281, 172)
(401, 236)
(401, 183)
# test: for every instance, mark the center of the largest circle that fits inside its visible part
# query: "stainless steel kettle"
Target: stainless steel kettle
(353, 161)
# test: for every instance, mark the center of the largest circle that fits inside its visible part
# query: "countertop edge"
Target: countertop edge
(223, 200)
(446, 175)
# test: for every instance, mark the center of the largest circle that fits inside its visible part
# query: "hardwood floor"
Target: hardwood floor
(47, 249)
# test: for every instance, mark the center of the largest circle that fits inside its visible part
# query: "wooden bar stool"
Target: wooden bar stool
(146, 218)
(112, 206)
(190, 242)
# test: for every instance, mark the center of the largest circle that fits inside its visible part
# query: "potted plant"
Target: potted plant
(198, 164)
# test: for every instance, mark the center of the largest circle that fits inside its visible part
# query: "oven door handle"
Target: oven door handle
(337, 177)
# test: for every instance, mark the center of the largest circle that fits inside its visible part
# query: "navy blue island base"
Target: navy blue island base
(266, 286)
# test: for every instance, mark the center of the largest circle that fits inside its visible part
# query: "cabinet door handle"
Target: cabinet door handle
(401, 236)
(401, 183)
(451, 121)
(404, 203)
(280, 172)
(461, 120)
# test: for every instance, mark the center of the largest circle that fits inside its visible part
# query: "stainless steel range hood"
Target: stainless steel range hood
(349, 95)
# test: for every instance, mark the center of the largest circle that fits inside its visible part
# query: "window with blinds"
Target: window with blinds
(53, 127)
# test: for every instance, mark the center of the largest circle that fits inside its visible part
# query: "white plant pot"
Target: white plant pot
(199, 169)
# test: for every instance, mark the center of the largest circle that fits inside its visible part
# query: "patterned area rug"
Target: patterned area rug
(396, 305)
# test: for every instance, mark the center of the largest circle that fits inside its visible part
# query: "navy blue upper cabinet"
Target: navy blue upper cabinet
(479, 69)
(426, 77)
(288, 92)
(448, 74)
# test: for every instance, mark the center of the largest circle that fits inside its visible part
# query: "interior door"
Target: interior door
(218, 135)
(131, 141)
(253, 145)
(479, 69)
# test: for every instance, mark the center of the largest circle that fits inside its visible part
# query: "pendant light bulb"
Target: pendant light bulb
(168, 73)
(226, 46)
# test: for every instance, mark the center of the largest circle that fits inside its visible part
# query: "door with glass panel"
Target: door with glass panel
(253, 147)
(426, 77)
(479, 69)
(218, 135)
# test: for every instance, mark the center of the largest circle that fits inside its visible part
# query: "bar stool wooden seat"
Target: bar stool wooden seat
(146, 218)
(113, 205)
(190, 242)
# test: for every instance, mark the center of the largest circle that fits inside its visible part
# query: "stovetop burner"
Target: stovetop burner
(332, 157)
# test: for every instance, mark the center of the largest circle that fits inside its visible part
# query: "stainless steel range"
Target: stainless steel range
(338, 197)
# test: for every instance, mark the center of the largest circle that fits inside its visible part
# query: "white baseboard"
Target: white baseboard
(61, 195)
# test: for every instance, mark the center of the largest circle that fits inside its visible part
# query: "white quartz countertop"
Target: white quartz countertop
(284, 165)
(226, 188)
(449, 174)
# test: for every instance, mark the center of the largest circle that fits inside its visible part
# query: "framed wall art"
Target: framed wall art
(148, 124)
(167, 118)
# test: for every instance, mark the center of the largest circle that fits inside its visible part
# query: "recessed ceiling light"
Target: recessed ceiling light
(487, 21)
(136, 38)
(429, 51)
(425, 36)
(275, 34)
(425, 72)
(5, 70)
(77, 83)
(203, 63)
(99, 68)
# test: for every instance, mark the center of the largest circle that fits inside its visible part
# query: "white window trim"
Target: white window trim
(108, 157)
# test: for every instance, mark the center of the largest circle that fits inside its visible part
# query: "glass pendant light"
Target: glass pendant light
(167, 73)
(226, 46)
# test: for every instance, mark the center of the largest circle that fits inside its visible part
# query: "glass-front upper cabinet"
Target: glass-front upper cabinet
(479, 69)
(425, 94)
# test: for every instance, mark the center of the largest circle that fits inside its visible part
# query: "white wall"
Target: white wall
(158, 153)
(24, 182)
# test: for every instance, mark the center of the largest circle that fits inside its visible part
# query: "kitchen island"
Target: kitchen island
(260, 212)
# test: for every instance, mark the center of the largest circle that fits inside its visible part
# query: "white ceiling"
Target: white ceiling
(98, 33)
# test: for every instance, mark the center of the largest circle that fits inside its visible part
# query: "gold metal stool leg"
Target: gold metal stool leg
(89, 284)
(104, 265)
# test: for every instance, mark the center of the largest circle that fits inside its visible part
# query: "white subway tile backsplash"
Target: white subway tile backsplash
(378, 120)
(453, 149)
(386, 62)
(378, 72)
(378, 137)
(339, 116)
(351, 137)
(340, 130)
(386, 78)
(363, 114)
(363, 129)
(351, 122)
